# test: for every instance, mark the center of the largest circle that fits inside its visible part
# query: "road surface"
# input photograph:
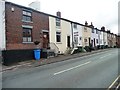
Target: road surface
(94, 71)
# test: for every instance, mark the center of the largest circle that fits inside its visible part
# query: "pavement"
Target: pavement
(36, 63)
(98, 70)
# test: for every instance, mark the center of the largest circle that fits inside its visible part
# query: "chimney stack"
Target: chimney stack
(86, 24)
(35, 5)
(103, 28)
(91, 25)
(59, 14)
(108, 31)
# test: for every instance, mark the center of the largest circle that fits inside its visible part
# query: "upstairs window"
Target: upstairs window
(96, 31)
(85, 29)
(92, 30)
(75, 26)
(27, 16)
(97, 41)
(58, 22)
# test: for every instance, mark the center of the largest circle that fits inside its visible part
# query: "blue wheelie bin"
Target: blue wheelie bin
(37, 54)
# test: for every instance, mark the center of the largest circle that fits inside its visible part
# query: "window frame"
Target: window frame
(75, 26)
(27, 37)
(58, 37)
(85, 40)
(58, 22)
(96, 31)
(25, 15)
(93, 31)
(85, 29)
(97, 41)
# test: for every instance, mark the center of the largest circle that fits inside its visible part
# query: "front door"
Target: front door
(89, 41)
(68, 41)
(45, 39)
(94, 42)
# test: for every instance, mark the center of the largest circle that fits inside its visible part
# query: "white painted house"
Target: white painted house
(2, 25)
(77, 35)
(105, 39)
(101, 38)
(94, 37)
(60, 34)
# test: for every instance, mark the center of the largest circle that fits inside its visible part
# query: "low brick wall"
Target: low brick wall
(14, 56)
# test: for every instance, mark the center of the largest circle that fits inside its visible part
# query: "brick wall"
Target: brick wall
(14, 31)
(118, 41)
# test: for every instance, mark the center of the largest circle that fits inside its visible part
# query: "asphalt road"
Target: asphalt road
(94, 71)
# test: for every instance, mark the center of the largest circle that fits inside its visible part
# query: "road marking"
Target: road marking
(114, 82)
(71, 68)
(105, 56)
(118, 86)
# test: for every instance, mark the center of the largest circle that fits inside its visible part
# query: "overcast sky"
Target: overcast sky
(100, 12)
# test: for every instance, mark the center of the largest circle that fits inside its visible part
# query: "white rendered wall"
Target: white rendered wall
(98, 37)
(105, 38)
(2, 25)
(65, 31)
(101, 38)
(77, 32)
(94, 35)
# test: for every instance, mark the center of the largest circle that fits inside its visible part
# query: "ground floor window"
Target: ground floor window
(76, 40)
(97, 41)
(27, 35)
(58, 36)
(85, 40)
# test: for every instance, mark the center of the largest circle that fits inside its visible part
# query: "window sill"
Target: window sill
(27, 21)
(58, 42)
(58, 27)
(27, 42)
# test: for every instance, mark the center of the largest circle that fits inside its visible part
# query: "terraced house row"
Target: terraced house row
(22, 26)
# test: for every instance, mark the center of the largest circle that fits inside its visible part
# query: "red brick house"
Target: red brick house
(24, 26)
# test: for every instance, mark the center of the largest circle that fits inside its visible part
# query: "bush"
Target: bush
(87, 48)
(102, 46)
(36, 42)
(110, 46)
(106, 46)
(98, 46)
(80, 49)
